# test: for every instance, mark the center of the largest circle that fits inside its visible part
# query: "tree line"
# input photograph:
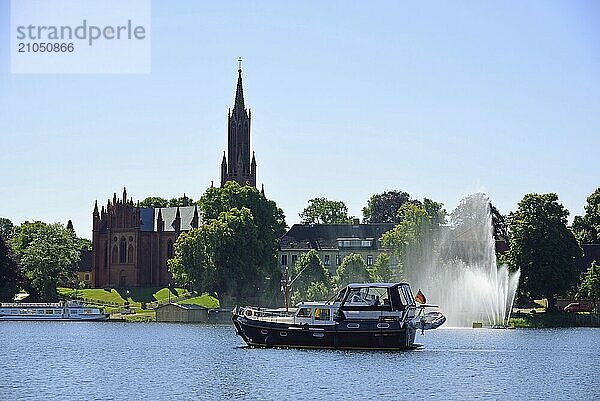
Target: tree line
(234, 252)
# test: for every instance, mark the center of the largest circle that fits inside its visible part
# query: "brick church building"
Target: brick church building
(131, 244)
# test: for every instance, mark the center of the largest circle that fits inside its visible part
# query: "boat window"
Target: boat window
(304, 312)
(74, 311)
(322, 314)
(49, 311)
(57, 311)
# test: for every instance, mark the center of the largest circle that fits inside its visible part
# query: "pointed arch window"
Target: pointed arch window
(170, 251)
(122, 251)
(130, 253)
(115, 254)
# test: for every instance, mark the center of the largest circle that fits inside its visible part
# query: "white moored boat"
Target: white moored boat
(65, 310)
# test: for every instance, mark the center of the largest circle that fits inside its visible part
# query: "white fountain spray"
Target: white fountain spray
(456, 268)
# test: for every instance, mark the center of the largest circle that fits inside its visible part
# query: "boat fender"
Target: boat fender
(249, 313)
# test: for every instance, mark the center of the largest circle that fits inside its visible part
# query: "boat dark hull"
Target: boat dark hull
(349, 334)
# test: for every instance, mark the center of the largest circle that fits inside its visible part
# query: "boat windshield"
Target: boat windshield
(369, 296)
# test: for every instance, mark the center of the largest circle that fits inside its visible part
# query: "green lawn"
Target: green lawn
(118, 296)
(203, 300)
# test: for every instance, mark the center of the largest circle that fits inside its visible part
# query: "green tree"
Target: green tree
(220, 256)
(587, 227)
(181, 201)
(543, 247)
(6, 228)
(381, 271)
(10, 276)
(383, 207)
(325, 211)
(238, 242)
(194, 259)
(436, 212)
(352, 270)
(154, 202)
(309, 269)
(406, 239)
(590, 284)
(48, 256)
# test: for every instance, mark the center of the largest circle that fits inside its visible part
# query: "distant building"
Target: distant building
(333, 242)
(131, 244)
(84, 269)
(181, 313)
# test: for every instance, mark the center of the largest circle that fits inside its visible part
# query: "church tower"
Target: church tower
(237, 165)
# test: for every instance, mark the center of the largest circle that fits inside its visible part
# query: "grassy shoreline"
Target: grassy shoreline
(554, 320)
(140, 300)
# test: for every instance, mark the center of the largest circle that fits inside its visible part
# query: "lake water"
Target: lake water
(128, 361)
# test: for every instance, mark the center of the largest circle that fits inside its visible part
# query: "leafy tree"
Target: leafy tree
(381, 271)
(500, 224)
(325, 211)
(48, 256)
(590, 284)
(235, 250)
(181, 201)
(10, 276)
(587, 227)
(435, 211)
(543, 247)
(6, 228)
(194, 259)
(309, 269)
(352, 270)
(219, 256)
(383, 207)
(154, 201)
(83, 244)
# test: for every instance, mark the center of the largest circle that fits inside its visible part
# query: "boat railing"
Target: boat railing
(30, 305)
(253, 312)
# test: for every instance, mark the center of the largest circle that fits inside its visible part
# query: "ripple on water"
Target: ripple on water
(109, 361)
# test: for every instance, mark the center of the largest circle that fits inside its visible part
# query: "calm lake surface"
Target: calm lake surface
(129, 361)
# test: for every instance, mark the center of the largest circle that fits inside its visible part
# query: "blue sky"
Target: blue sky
(348, 99)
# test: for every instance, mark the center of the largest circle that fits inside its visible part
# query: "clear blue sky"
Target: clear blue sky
(348, 99)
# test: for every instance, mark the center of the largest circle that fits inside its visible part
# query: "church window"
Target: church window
(294, 259)
(369, 260)
(326, 260)
(130, 254)
(122, 251)
(170, 252)
(115, 254)
(284, 260)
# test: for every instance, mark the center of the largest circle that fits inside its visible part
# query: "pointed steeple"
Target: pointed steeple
(239, 92)
(124, 195)
(160, 224)
(195, 218)
(177, 221)
(96, 208)
(262, 190)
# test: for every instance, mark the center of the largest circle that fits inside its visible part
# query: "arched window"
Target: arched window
(122, 251)
(130, 254)
(170, 252)
(115, 255)
(106, 254)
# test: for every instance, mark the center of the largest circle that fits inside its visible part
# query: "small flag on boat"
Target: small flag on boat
(420, 298)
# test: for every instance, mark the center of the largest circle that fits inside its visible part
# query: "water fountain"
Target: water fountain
(456, 268)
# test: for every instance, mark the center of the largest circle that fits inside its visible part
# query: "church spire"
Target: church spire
(239, 92)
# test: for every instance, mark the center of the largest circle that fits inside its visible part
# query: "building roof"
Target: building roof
(85, 261)
(326, 236)
(148, 218)
(182, 306)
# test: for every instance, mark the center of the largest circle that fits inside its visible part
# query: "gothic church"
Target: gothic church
(131, 244)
